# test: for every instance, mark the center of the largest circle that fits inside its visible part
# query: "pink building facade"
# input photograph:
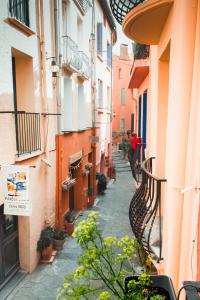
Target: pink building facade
(123, 104)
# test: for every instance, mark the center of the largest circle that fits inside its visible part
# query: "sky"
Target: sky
(121, 39)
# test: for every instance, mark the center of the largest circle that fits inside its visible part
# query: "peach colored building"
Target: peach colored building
(123, 104)
(28, 125)
(172, 28)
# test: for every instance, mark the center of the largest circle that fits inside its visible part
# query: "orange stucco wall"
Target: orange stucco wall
(67, 146)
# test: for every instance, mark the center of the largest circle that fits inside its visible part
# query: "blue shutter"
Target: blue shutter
(99, 38)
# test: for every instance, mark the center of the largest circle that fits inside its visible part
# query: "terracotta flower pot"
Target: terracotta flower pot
(47, 252)
(58, 244)
(90, 202)
(69, 228)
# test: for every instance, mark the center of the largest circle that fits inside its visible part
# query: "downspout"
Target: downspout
(58, 100)
(93, 95)
(58, 60)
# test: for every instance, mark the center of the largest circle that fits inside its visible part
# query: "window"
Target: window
(19, 10)
(122, 124)
(100, 93)
(123, 96)
(100, 39)
(108, 98)
(109, 55)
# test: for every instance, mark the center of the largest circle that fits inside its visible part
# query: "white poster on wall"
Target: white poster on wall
(16, 190)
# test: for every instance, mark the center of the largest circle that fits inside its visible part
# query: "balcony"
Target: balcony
(19, 9)
(71, 59)
(28, 138)
(143, 20)
(84, 66)
(83, 5)
(145, 212)
(140, 67)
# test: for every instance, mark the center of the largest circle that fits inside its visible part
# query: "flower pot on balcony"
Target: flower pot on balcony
(160, 285)
(59, 236)
(58, 244)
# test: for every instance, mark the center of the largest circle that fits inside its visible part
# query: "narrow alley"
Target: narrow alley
(113, 206)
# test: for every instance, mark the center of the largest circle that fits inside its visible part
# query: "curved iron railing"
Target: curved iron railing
(120, 8)
(145, 212)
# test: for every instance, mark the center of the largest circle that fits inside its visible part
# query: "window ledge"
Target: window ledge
(27, 155)
(20, 26)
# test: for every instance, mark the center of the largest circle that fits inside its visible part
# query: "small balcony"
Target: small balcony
(71, 59)
(28, 137)
(19, 9)
(83, 5)
(140, 68)
(142, 20)
(145, 212)
(84, 67)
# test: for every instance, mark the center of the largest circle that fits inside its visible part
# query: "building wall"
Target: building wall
(31, 85)
(121, 73)
(173, 130)
(104, 73)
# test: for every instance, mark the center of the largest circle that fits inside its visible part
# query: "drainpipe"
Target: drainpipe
(93, 94)
(58, 60)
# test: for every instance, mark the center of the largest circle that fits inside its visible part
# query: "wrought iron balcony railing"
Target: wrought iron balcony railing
(19, 9)
(84, 66)
(70, 53)
(28, 138)
(140, 51)
(120, 8)
(84, 4)
(145, 212)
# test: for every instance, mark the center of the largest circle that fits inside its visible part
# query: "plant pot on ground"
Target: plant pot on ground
(45, 243)
(69, 223)
(152, 287)
(59, 236)
(90, 198)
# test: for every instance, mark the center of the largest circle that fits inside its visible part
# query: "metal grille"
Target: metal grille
(85, 4)
(85, 66)
(28, 138)
(120, 8)
(145, 212)
(19, 9)
(140, 51)
(71, 54)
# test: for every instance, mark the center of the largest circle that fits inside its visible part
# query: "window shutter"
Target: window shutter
(99, 38)
(123, 96)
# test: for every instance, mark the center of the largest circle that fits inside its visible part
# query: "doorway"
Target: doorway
(9, 247)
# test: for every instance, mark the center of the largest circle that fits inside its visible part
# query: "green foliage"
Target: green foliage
(46, 238)
(103, 265)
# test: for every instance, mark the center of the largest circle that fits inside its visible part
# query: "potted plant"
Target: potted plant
(104, 263)
(45, 243)
(59, 236)
(69, 223)
(90, 197)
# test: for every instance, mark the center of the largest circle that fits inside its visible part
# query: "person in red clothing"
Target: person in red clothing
(133, 152)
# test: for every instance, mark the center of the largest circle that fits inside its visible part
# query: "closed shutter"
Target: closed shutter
(123, 96)
(100, 38)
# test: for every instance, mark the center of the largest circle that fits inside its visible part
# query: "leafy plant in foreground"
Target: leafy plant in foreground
(103, 265)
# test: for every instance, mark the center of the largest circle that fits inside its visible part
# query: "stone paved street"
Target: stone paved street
(113, 206)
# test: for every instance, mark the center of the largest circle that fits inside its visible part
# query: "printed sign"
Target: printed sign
(16, 190)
